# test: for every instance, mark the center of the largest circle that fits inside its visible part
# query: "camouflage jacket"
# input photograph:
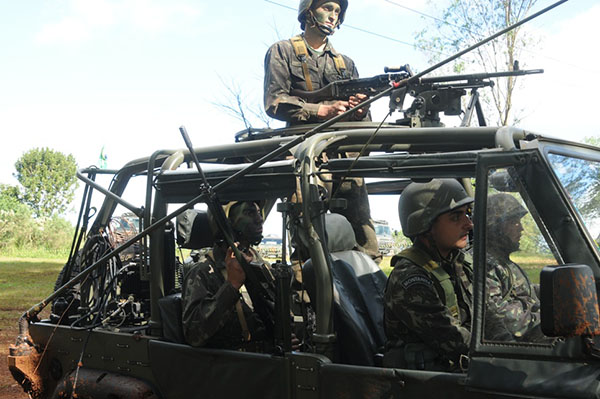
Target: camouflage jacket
(209, 307)
(283, 72)
(416, 314)
(512, 310)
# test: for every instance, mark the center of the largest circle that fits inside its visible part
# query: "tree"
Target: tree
(9, 197)
(48, 179)
(465, 22)
(235, 103)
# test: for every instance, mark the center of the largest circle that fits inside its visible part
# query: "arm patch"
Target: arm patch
(416, 280)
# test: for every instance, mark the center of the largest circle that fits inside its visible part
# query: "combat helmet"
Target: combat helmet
(502, 207)
(421, 203)
(305, 5)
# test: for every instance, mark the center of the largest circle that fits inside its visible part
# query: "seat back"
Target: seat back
(358, 285)
(170, 313)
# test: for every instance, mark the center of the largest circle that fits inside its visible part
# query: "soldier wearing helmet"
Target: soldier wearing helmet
(308, 62)
(512, 312)
(215, 314)
(428, 297)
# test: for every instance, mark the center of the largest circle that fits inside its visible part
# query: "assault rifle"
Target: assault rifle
(432, 94)
(259, 281)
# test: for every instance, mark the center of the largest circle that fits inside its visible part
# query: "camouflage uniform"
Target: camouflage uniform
(512, 305)
(283, 72)
(422, 331)
(210, 318)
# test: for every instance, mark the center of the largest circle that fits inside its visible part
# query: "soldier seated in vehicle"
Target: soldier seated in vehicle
(513, 305)
(215, 313)
(427, 309)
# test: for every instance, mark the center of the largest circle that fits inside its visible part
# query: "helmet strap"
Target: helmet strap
(430, 242)
(324, 29)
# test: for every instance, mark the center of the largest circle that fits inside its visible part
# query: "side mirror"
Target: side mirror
(569, 303)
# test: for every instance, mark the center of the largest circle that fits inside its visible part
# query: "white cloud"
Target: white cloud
(563, 101)
(399, 7)
(86, 18)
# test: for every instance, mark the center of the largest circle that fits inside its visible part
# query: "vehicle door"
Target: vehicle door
(555, 188)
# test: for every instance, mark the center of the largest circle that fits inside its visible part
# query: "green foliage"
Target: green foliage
(592, 140)
(16, 222)
(9, 197)
(22, 235)
(532, 241)
(465, 22)
(48, 179)
(401, 241)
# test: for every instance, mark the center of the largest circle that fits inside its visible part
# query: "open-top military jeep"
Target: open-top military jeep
(115, 327)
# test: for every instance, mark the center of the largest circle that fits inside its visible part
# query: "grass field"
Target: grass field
(23, 283)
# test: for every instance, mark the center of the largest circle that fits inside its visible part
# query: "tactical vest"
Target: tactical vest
(302, 54)
(441, 278)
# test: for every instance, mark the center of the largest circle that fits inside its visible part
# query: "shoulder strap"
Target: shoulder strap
(441, 277)
(340, 65)
(302, 53)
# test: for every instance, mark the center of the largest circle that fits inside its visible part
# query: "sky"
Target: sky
(78, 76)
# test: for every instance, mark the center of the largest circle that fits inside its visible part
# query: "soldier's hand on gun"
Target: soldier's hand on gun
(328, 111)
(353, 101)
(235, 273)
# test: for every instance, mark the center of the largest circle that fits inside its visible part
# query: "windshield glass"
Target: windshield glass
(581, 179)
(382, 230)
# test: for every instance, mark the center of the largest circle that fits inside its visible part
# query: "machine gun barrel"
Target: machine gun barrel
(474, 77)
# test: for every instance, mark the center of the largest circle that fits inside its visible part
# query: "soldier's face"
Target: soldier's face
(513, 229)
(246, 219)
(328, 14)
(451, 230)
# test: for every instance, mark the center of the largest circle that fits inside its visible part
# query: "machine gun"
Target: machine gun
(432, 95)
(342, 89)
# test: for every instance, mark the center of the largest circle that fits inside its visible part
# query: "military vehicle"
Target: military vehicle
(115, 327)
(385, 240)
(270, 247)
(114, 332)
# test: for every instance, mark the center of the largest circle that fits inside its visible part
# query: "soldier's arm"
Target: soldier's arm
(205, 312)
(417, 303)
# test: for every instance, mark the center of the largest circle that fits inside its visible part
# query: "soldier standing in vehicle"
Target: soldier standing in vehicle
(513, 306)
(215, 314)
(428, 298)
(309, 62)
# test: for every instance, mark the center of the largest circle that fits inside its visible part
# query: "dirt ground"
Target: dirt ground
(9, 389)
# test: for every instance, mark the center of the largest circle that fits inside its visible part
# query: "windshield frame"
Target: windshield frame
(585, 152)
